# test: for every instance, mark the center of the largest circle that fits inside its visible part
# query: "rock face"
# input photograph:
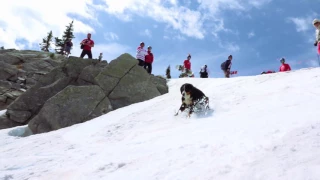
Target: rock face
(78, 90)
(20, 70)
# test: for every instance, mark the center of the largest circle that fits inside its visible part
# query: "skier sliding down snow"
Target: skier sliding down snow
(193, 99)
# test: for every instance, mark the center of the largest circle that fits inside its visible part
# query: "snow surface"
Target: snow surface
(263, 127)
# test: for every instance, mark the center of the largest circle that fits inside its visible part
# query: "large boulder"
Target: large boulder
(72, 105)
(135, 86)
(22, 70)
(82, 89)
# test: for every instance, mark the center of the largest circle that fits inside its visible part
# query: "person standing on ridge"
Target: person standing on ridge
(284, 67)
(67, 47)
(204, 72)
(86, 46)
(141, 53)
(187, 65)
(226, 66)
(148, 60)
(100, 57)
(316, 24)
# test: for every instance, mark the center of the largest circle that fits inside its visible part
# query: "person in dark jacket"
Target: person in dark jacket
(191, 96)
(204, 72)
(226, 66)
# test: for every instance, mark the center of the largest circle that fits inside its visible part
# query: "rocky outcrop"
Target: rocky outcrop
(81, 89)
(20, 70)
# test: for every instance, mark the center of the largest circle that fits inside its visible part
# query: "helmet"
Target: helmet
(189, 55)
(149, 47)
(142, 42)
(315, 21)
(188, 87)
(282, 60)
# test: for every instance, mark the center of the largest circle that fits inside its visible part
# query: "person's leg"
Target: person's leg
(228, 74)
(141, 63)
(149, 68)
(89, 54)
(83, 53)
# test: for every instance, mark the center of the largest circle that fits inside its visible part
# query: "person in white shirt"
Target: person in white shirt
(204, 72)
(141, 53)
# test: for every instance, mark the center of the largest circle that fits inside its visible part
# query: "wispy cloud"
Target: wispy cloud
(302, 23)
(251, 34)
(147, 33)
(190, 22)
(31, 20)
(110, 36)
(230, 47)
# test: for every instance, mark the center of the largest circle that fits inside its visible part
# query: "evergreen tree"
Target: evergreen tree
(168, 72)
(67, 34)
(46, 42)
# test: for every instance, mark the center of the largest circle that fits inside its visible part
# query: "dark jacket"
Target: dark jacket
(227, 66)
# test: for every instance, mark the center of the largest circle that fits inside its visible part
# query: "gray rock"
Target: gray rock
(89, 73)
(134, 87)
(7, 71)
(5, 122)
(13, 94)
(75, 91)
(73, 66)
(34, 98)
(18, 116)
(5, 85)
(110, 76)
(9, 59)
(161, 84)
(70, 106)
(103, 108)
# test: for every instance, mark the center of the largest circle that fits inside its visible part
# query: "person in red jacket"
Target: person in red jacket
(187, 64)
(86, 46)
(148, 60)
(284, 67)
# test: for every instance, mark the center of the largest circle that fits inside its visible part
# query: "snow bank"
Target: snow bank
(263, 127)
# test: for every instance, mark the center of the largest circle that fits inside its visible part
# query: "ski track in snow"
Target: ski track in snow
(263, 127)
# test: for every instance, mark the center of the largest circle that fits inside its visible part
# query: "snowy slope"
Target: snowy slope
(264, 127)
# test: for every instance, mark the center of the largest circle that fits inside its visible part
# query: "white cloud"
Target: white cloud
(31, 20)
(147, 33)
(110, 36)
(230, 47)
(190, 22)
(303, 23)
(258, 3)
(251, 34)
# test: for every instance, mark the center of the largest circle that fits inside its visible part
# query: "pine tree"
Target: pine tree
(46, 42)
(67, 34)
(168, 72)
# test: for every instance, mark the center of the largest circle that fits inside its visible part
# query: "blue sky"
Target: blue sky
(256, 32)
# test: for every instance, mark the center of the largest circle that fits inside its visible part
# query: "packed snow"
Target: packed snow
(263, 127)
